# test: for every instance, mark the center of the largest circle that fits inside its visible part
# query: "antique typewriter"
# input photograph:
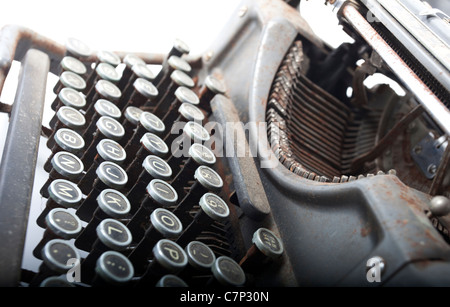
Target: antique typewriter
(267, 161)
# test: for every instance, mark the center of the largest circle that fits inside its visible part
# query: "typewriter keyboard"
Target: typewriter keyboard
(135, 194)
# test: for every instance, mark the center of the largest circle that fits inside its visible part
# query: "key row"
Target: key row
(169, 265)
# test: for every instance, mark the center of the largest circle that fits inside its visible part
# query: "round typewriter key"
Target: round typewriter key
(74, 65)
(77, 48)
(198, 155)
(154, 144)
(153, 167)
(171, 280)
(129, 60)
(112, 175)
(111, 235)
(57, 254)
(68, 117)
(168, 257)
(227, 272)
(179, 48)
(105, 56)
(114, 234)
(189, 112)
(180, 78)
(106, 108)
(151, 123)
(178, 63)
(60, 224)
(69, 140)
(109, 175)
(69, 97)
(162, 192)
(107, 90)
(63, 223)
(110, 128)
(67, 165)
(62, 194)
(159, 194)
(112, 151)
(111, 204)
(213, 208)
(113, 268)
(265, 248)
(163, 225)
(200, 256)
(166, 223)
(142, 71)
(210, 88)
(143, 91)
(71, 80)
(268, 243)
(107, 72)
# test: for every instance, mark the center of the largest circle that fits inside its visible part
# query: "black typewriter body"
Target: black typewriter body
(307, 184)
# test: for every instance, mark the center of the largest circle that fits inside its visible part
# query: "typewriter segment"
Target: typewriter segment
(265, 161)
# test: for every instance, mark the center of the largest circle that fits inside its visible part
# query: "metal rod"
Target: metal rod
(18, 163)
